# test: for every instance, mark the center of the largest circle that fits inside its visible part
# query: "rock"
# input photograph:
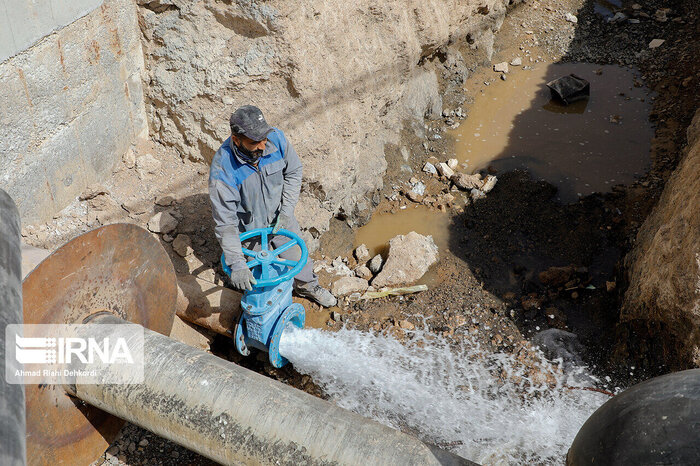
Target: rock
(418, 188)
(413, 196)
(477, 194)
(134, 206)
(113, 450)
(147, 164)
(489, 183)
(336, 316)
(362, 254)
(429, 168)
(406, 325)
(452, 163)
(347, 285)
(467, 182)
(556, 276)
(167, 238)
(610, 286)
(618, 18)
(129, 159)
(162, 222)
(363, 272)
(93, 191)
(143, 442)
(445, 170)
(656, 43)
(375, 265)
(182, 245)
(165, 201)
(410, 256)
(571, 18)
(517, 61)
(501, 67)
(132, 447)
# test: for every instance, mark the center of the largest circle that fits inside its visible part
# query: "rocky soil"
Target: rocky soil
(518, 262)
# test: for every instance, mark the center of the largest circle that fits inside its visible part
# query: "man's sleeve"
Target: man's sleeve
(224, 205)
(292, 181)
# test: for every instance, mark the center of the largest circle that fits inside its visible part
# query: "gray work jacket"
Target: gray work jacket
(244, 197)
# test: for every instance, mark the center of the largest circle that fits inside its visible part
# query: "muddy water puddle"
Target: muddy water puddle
(384, 226)
(585, 147)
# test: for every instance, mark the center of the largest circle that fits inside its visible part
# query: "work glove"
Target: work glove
(282, 222)
(243, 279)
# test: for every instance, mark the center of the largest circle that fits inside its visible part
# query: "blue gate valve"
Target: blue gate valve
(268, 308)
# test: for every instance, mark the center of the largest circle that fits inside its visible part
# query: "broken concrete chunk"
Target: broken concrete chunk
(452, 163)
(429, 168)
(363, 272)
(467, 182)
(347, 285)
(162, 222)
(182, 245)
(445, 170)
(501, 67)
(489, 183)
(410, 256)
(477, 194)
(362, 254)
(375, 265)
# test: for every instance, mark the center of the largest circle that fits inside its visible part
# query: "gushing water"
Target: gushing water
(491, 408)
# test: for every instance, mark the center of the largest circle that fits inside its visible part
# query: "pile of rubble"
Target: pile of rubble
(408, 259)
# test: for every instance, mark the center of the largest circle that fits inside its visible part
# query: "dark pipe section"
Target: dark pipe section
(654, 422)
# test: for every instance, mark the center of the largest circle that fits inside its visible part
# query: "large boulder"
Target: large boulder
(410, 256)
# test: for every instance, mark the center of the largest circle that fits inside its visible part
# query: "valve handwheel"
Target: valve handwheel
(265, 258)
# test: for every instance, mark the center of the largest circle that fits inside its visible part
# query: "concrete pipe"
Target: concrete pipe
(654, 422)
(12, 412)
(232, 415)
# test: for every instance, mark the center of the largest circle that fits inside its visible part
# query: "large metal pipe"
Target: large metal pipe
(654, 422)
(233, 415)
(12, 396)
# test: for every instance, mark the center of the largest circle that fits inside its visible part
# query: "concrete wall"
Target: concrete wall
(72, 104)
(23, 22)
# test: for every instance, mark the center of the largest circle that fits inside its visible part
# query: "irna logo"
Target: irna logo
(68, 350)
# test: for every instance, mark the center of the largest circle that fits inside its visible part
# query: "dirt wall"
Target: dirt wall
(340, 78)
(664, 266)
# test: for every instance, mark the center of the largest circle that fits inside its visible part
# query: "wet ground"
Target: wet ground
(587, 146)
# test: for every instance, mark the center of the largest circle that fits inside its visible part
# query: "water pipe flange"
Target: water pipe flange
(295, 315)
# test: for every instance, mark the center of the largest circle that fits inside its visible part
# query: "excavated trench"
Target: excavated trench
(539, 261)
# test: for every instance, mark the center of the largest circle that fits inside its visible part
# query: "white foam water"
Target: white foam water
(482, 406)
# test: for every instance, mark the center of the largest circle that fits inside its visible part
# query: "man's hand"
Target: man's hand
(281, 223)
(243, 279)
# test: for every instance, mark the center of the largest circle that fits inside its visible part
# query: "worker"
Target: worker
(254, 182)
